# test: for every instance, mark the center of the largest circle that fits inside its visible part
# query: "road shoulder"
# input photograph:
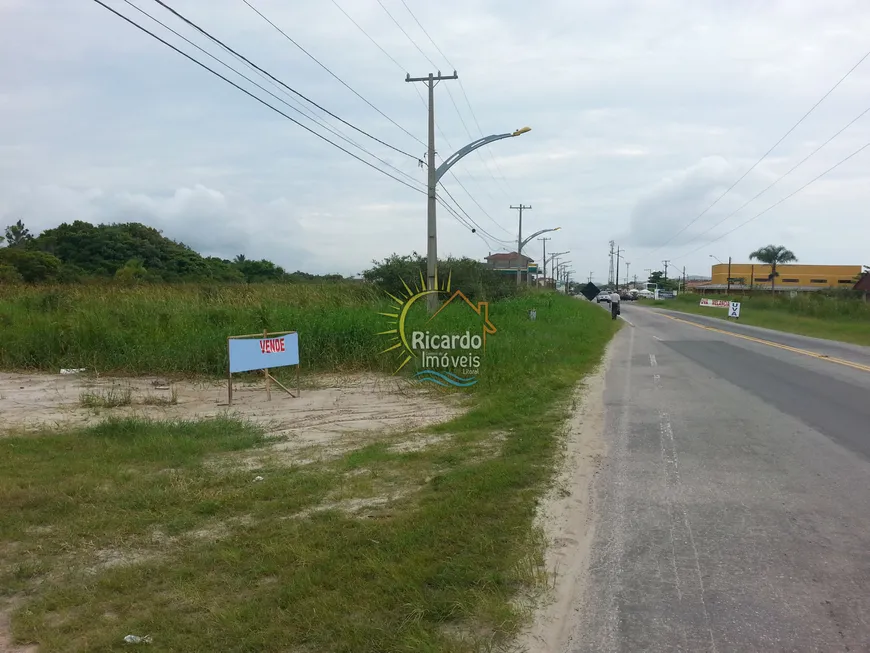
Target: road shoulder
(566, 516)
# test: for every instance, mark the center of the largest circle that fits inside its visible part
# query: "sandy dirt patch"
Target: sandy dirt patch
(567, 518)
(336, 407)
(6, 632)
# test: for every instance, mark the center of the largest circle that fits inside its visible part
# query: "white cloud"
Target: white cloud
(642, 115)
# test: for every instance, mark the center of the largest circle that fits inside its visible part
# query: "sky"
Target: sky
(643, 114)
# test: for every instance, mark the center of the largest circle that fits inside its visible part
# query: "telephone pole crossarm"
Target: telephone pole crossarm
(436, 78)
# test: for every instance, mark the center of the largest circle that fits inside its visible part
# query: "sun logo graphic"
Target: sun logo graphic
(448, 347)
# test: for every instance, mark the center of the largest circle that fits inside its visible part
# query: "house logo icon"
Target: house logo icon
(445, 353)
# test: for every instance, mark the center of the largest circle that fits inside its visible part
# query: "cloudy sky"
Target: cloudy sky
(643, 113)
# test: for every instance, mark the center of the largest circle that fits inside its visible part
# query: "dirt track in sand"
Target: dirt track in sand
(337, 405)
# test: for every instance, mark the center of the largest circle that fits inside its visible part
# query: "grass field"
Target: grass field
(846, 320)
(183, 329)
(131, 528)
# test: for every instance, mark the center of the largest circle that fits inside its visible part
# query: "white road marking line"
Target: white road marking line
(657, 338)
(671, 461)
(652, 360)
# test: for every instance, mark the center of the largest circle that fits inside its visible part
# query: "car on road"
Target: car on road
(603, 297)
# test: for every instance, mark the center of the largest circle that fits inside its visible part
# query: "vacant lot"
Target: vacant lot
(814, 315)
(367, 515)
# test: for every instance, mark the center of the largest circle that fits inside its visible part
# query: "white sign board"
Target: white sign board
(718, 303)
(734, 310)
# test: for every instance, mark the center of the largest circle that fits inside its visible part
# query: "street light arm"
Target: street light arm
(468, 149)
(535, 235)
(555, 255)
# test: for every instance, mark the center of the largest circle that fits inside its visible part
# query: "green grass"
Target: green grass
(814, 315)
(211, 560)
(183, 329)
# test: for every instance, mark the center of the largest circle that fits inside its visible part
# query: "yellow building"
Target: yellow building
(791, 276)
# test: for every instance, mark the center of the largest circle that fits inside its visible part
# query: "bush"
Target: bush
(33, 266)
(477, 281)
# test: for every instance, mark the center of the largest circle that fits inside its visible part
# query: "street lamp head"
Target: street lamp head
(521, 131)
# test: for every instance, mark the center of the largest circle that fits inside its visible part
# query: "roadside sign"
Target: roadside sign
(665, 294)
(718, 303)
(590, 291)
(262, 352)
(734, 310)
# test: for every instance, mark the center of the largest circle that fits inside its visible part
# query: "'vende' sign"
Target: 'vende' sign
(273, 345)
(718, 303)
(248, 354)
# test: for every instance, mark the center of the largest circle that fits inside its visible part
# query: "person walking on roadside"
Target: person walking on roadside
(614, 304)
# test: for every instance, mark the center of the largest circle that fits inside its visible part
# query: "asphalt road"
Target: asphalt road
(734, 504)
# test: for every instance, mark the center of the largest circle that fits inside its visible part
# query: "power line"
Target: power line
(462, 221)
(492, 156)
(268, 74)
(473, 199)
(317, 61)
(377, 45)
(422, 100)
(781, 177)
(260, 100)
(812, 108)
(462, 88)
(758, 215)
(467, 131)
(413, 42)
(459, 206)
(420, 25)
(297, 110)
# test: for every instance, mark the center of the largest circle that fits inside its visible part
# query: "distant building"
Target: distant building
(863, 282)
(510, 262)
(802, 278)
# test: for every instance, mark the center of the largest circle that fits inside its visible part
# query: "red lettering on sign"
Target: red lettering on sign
(273, 346)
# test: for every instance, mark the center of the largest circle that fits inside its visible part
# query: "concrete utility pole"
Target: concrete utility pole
(555, 257)
(610, 274)
(627, 266)
(520, 242)
(666, 268)
(729, 276)
(590, 277)
(618, 253)
(544, 241)
(432, 236)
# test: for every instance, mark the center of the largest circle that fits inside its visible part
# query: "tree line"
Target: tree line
(128, 252)
(131, 252)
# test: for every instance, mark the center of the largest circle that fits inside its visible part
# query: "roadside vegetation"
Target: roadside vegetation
(842, 316)
(133, 527)
(207, 535)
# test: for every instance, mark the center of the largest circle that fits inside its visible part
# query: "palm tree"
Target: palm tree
(773, 255)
